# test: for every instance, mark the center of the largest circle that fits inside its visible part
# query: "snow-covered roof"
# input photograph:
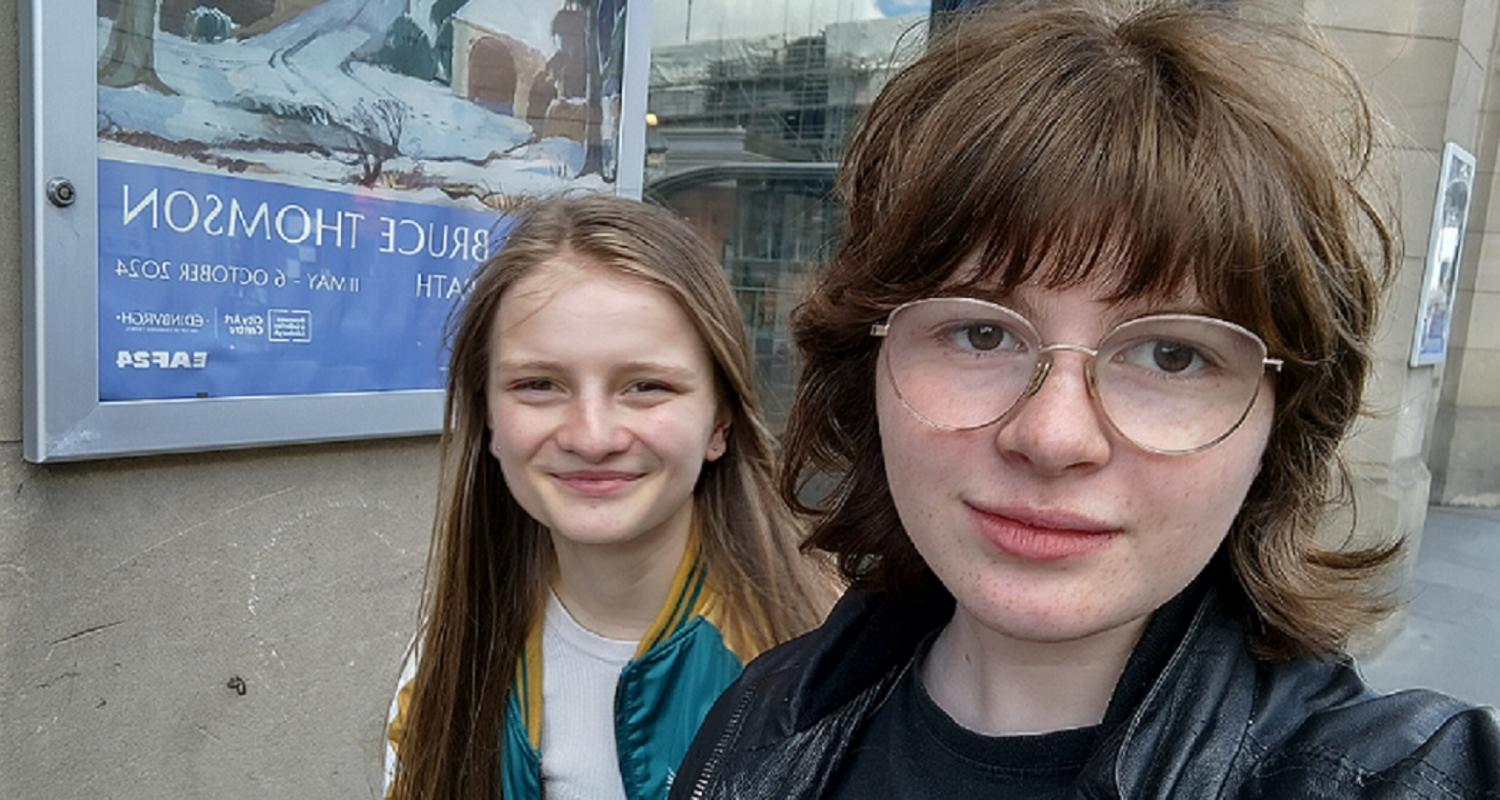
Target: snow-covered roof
(519, 19)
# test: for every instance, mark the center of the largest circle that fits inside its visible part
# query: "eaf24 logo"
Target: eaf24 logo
(161, 359)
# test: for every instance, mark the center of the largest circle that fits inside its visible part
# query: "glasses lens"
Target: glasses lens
(1178, 383)
(959, 363)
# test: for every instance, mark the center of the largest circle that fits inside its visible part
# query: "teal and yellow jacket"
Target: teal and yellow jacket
(691, 653)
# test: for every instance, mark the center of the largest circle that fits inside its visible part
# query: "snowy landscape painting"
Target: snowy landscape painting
(475, 104)
(294, 194)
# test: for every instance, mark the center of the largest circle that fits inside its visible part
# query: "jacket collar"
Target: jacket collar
(870, 636)
(689, 597)
(1205, 694)
(866, 637)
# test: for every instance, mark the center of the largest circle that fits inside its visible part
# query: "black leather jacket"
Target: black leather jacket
(1216, 723)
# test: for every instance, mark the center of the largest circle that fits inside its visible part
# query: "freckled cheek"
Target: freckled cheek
(675, 434)
(518, 431)
(923, 493)
(904, 473)
(1188, 511)
(942, 466)
(919, 457)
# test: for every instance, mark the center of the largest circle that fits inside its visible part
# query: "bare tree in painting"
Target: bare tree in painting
(376, 138)
(130, 57)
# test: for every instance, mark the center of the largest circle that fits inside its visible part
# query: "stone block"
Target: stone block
(1476, 29)
(1481, 332)
(1398, 403)
(1385, 388)
(1409, 79)
(1466, 101)
(1398, 315)
(1470, 472)
(1371, 438)
(1429, 18)
(1479, 376)
(1410, 177)
(1486, 262)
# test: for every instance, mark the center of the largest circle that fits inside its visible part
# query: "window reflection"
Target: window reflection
(750, 104)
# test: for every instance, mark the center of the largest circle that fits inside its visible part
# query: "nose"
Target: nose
(592, 428)
(1058, 429)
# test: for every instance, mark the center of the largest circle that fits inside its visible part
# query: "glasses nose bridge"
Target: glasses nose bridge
(1058, 346)
(1044, 358)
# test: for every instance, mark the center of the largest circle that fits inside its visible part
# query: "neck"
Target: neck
(997, 685)
(617, 590)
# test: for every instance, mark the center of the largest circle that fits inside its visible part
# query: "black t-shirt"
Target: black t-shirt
(911, 748)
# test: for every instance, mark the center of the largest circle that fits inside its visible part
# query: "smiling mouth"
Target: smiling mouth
(1032, 536)
(596, 483)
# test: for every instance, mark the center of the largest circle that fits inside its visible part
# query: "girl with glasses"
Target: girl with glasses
(609, 548)
(1079, 371)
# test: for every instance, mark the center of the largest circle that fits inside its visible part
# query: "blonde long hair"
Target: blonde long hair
(489, 561)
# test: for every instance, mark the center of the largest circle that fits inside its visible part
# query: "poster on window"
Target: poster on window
(1444, 249)
(293, 194)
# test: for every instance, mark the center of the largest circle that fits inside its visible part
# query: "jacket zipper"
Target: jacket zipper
(721, 746)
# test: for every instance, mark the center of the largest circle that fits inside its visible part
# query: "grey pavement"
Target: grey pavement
(1451, 641)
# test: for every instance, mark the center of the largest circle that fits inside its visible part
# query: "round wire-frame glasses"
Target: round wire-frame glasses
(953, 313)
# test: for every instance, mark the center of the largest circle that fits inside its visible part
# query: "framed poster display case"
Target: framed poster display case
(247, 222)
(1450, 218)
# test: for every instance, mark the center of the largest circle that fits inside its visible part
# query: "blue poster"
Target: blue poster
(213, 285)
(292, 195)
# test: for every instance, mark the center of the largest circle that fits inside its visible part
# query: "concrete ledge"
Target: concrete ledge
(1470, 473)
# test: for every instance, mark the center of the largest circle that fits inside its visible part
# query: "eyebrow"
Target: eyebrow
(528, 366)
(1117, 313)
(1146, 309)
(671, 371)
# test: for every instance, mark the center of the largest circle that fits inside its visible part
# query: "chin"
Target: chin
(597, 535)
(1039, 616)
(1029, 627)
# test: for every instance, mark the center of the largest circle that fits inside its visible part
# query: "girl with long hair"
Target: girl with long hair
(609, 548)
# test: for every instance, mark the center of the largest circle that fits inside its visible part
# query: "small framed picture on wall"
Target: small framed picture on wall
(1444, 249)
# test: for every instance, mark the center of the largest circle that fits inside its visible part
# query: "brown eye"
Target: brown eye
(980, 337)
(1166, 357)
(985, 337)
(1173, 357)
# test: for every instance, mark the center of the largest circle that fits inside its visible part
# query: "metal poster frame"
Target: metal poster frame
(64, 417)
(1445, 240)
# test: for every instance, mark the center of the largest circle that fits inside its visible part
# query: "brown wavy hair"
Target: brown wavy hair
(1160, 147)
(489, 563)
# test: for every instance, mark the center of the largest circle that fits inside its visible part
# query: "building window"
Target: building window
(750, 104)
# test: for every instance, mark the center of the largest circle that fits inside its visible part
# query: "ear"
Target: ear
(492, 442)
(718, 441)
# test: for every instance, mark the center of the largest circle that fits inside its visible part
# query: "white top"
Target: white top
(580, 670)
